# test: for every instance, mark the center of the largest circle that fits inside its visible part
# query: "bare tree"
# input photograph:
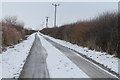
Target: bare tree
(11, 20)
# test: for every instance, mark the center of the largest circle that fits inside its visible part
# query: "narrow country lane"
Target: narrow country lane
(35, 66)
(90, 69)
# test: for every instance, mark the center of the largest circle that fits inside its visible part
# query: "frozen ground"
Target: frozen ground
(59, 66)
(103, 58)
(14, 58)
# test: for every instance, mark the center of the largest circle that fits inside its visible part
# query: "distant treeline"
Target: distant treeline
(13, 31)
(100, 33)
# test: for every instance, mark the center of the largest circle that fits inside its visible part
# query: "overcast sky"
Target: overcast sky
(33, 14)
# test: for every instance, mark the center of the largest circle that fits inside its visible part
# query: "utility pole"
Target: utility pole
(47, 22)
(55, 5)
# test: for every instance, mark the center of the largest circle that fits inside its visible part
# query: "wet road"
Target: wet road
(90, 69)
(35, 66)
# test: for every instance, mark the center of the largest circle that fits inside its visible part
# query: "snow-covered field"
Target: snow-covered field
(103, 58)
(14, 58)
(59, 66)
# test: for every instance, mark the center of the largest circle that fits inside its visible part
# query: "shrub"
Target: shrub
(100, 33)
(13, 31)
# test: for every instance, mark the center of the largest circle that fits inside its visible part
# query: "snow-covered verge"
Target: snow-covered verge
(14, 58)
(0, 66)
(59, 66)
(101, 57)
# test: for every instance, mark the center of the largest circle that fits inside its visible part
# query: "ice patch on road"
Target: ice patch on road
(59, 66)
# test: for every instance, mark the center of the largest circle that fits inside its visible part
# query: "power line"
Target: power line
(55, 5)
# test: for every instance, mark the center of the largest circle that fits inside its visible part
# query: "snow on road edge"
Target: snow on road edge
(59, 65)
(14, 58)
(0, 66)
(101, 57)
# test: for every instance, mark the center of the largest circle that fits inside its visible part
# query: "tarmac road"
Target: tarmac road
(90, 69)
(35, 66)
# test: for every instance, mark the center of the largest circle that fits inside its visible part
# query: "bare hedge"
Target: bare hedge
(13, 31)
(100, 33)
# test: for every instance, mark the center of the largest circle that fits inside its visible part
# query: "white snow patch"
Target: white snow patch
(14, 58)
(101, 57)
(0, 66)
(59, 65)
